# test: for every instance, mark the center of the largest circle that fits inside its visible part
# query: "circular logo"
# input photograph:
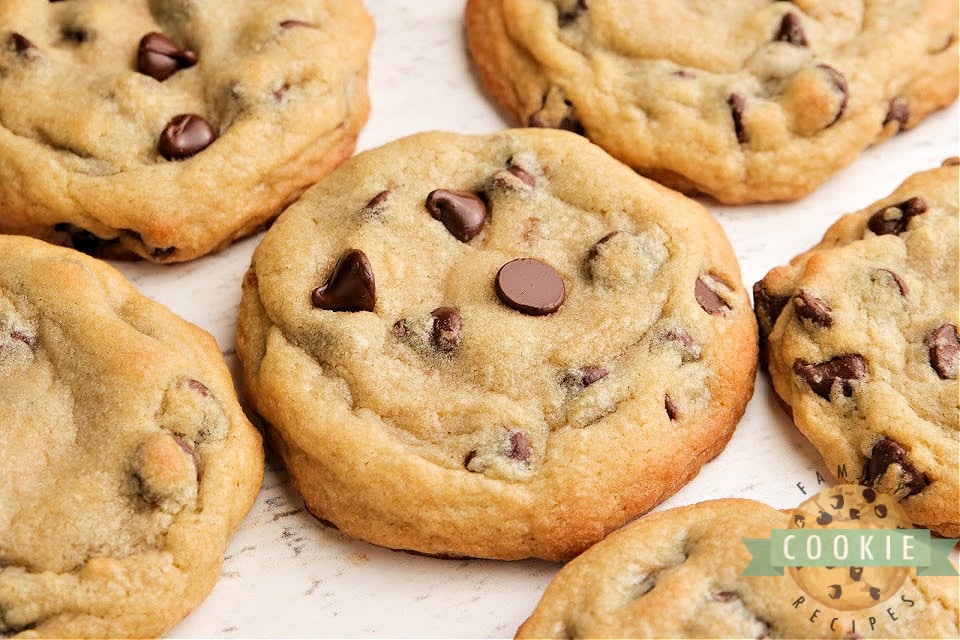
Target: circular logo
(849, 506)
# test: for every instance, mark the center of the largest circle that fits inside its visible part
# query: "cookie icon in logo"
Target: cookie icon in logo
(849, 588)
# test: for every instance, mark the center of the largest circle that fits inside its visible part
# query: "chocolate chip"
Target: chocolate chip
(834, 591)
(791, 30)
(377, 201)
(350, 287)
(898, 111)
(885, 453)
(520, 447)
(469, 458)
(159, 57)
(799, 521)
(595, 249)
(523, 175)
(689, 348)
(723, 596)
(708, 299)
(672, 411)
(445, 335)
(856, 573)
(944, 350)
(190, 450)
(162, 252)
(200, 388)
(585, 376)
(880, 511)
(952, 161)
(21, 45)
(854, 514)
(564, 18)
(824, 519)
(530, 286)
(768, 307)
(684, 73)
(462, 213)
(869, 495)
(76, 35)
(547, 118)
(400, 328)
(737, 105)
(808, 306)
(841, 370)
(890, 276)
(893, 219)
(840, 84)
(25, 338)
(184, 136)
(85, 242)
(290, 24)
(875, 593)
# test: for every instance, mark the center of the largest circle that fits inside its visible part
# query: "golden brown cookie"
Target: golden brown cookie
(127, 460)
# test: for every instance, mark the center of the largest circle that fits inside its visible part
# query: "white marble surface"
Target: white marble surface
(286, 575)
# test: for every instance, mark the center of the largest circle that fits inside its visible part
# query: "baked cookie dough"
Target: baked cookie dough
(677, 574)
(862, 346)
(746, 100)
(167, 130)
(498, 346)
(127, 460)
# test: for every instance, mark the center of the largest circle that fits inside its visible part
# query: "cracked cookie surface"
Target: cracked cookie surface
(128, 462)
(677, 574)
(166, 129)
(862, 346)
(501, 346)
(746, 100)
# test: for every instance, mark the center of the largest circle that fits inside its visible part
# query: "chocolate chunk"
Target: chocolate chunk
(184, 136)
(445, 335)
(840, 84)
(737, 105)
(672, 411)
(350, 287)
(585, 376)
(841, 370)
(159, 57)
(890, 276)
(530, 286)
(564, 18)
(520, 447)
(21, 45)
(523, 175)
(462, 213)
(708, 299)
(894, 218)
(290, 24)
(885, 453)
(808, 306)
(952, 161)
(944, 350)
(791, 30)
(898, 111)
(768, 307)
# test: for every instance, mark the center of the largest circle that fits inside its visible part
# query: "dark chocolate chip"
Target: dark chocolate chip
(21, 45)
(290, 24)
(944, 350)
(184, 136)
(672, 411)
(199, 387)
(768, 307)
(791, 30)
(880, 511)
(159, 57)
(350, 287)
(585, 376)
(885, 453)
(888, 275)
(869, 495)
(565, 18)
(824, 519)
(952, 161)
(462, 213)
(856, 573)
(737, 105)
(520, 447)
(445, 335)
(895, 217)
(898, 111)
(708, 299)
(808, 306)
(841, 370)
(530, 286)
(840, 84)
(190, 450)
(523, 175)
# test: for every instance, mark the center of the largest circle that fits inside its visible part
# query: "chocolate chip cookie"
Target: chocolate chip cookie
(746, 100)
(677, 574)
(127, 462)
(862, 346)
(166, 130)
(498, 346)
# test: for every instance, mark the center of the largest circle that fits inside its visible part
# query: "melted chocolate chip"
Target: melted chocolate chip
(737, 106)
(808, 306)
(840, 84)
(523, 175)
(944, 351)
(708, 299)
(445, 335)
(672, 411)
(159, 57)
(791, 30)
(377, 201)
(21, 45)
(462, 213)
(894, 218)
(530, 286)
(842, 370)
(885, 453)
(585, 376)
(768, 307)
(350, 287)
(184, 136)
(898, 111)
(890, 276)
(520, 447)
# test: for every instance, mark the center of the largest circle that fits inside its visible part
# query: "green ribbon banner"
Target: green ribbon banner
(850, 548)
